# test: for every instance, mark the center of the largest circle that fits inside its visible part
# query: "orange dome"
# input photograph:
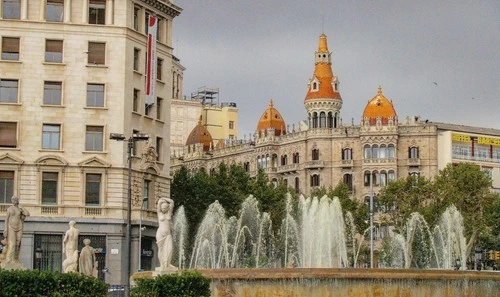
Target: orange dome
(381, 107)
(271, 118)
(321, 85)
(201, 135)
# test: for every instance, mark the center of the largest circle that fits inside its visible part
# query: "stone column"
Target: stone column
(109, 12)
(67, 11)
(85, 11)
(24, 9)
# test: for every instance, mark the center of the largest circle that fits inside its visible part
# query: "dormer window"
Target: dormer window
(315, 86)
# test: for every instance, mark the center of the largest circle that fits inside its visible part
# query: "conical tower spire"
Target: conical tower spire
(323, 97)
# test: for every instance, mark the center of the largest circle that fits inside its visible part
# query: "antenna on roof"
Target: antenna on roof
(323, 25)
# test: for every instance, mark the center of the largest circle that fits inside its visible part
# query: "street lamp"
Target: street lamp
(479, 253)
(38, 257)
(139, 268)
(371, 220)
(130, 145)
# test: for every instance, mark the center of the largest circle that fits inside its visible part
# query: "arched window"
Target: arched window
(367, 178)
(297, 185)
(275, 182)
(382, 151)
(246, 165)
(322, 120)
(315, 86)
(296, 158)
(315, 120)
(376, 178)
(259, 162)
(391, 151)
(330, 120)
(315, 180)
(285, 182)
(367, 152)
(347, 178)
(413, 152)
(391, 175)
(284, 160)
(375, 151)
(347, 154)
(274, 161)
(315, 154)
(383, 178)
(212, 171)
(268, 161)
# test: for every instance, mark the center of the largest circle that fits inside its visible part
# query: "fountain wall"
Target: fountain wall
(332, 282)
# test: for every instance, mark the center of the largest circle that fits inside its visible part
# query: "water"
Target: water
(316, 235)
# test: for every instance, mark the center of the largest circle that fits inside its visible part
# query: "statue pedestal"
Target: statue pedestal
(168, 270)
(13, 266)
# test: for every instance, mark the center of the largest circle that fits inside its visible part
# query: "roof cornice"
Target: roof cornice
(164, 6)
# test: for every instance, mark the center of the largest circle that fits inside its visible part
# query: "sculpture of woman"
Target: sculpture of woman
(87, 260)
(70, 245)
(164, 241)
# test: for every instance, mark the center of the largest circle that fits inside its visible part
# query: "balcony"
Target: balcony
(475, 158)
(288, 168)
(413, 162)
(314, 164)
(347, 163)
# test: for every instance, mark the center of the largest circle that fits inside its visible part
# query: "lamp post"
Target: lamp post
(479, 253)
(371, 220)
(130, 145)
(139, 268)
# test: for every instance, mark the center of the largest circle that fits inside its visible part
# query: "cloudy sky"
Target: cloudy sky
(436, 59)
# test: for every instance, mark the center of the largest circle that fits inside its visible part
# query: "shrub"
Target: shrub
(14, 283)
(185, 284)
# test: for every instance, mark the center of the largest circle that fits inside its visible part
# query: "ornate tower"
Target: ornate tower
(323, 101)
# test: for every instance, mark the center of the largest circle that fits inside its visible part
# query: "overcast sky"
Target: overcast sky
(254, 51)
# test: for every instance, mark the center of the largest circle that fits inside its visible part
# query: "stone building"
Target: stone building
(323, 151)
(72, 73)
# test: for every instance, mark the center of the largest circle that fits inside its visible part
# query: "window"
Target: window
(95, 95)
(49, 187)
(51, 136)
(246, 165)
(296, 158)
(53, 51)
(94, 138)
(6, 186)
(315, 180)
(367, 152)
(231, 124)
(315, 154)
(92, 189)
(10, 48)
(347, 178)
(11, 9)
(137, 10)
(134, 143)
(297, 185)
(159, 68)
(147, 192)
(159, 144)
(135, 102)
(383, 178)
(147, 109)
(322, 119)
(97, 12)
(146, 22)
(97, 53)
(391, 175)
(375, 151)
(137, 52)
(159, 106)
(158, 28)
(284, 160)
(347, 154)
(391, 151)
(367, 178)
(54, 10)
(413, 153)
(8, 90)
(51, 256)
(8, 134)
(52, 93)
(382, 152)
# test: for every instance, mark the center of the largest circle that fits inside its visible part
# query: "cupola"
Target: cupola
(271, 118)
(201, 135)
(381, 108)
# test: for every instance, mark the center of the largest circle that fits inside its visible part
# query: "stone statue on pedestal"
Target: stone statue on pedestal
(164, 241)
(13, 233)
(87, 262)
(70, 244)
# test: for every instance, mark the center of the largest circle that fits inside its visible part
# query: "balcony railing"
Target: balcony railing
(314, 164)
(93, 211)
(50, 210)
(288, 168)
(347, 163)
(476, 158)
(413, 162)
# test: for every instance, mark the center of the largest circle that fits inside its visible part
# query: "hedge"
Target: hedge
(185, 284)
(35, 283)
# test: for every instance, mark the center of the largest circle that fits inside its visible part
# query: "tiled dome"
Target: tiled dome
(200, 134)
(379, 107)
(271, 118)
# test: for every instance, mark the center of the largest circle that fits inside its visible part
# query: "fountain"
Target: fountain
(243, 257)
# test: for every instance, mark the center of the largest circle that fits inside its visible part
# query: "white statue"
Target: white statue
(70, 245)
(164, 241)
(13, 233)
(87, 259)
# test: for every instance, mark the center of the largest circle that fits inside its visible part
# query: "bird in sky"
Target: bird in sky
(435, 83)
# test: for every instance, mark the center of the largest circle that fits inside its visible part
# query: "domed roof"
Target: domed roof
(201, 135)
(381, 107)
(271, 118)
(321, 86)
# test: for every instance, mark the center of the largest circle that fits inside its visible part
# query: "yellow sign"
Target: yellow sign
(480, 139)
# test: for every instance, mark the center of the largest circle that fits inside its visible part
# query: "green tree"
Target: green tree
(469, 189)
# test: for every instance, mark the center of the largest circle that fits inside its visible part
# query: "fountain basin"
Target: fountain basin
(330, 282)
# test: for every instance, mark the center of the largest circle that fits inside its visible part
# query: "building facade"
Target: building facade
(72, 73)
(323, 151)
(220, 118)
